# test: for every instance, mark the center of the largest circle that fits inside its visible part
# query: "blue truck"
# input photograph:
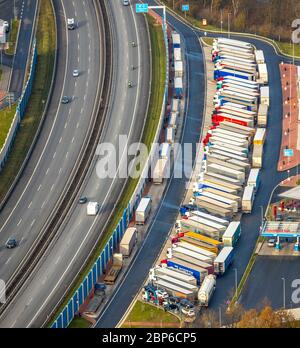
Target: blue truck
(223, 260)
(198, 272)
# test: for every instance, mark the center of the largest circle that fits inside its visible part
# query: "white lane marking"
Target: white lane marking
(60, 170)
(47, 171)
(104, 201)
(30, 300)
(77, 126)
(32, 223)
(57, 260)
(60, 140)
(8, 261)
(49, 136)
(66, 124)
(43, 204)
(39, 188)
(54, 155)
(73, 139)
(52, 187)
(30, 205)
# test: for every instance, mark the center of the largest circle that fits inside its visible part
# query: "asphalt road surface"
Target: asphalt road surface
(167, 214)
(26, 11)
(62, 136)
(127, 113)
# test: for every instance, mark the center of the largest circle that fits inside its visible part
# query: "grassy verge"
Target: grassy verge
(143, 312)
(156, 100)
(208, 40)
(80, 323)
(287, 48)
(13, 37)
(6, 118)
(46, 41)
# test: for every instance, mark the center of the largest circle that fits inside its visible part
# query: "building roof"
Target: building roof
(293, 193)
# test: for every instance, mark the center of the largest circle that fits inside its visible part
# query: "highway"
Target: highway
(168, 210)
(62, 136)
(126, 115)
(26, 11)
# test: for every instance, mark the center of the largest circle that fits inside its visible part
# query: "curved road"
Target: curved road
(62, 137)
(169, 208)
(126, 116)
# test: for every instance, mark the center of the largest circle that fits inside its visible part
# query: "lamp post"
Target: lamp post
(283, 280)
(262, 217)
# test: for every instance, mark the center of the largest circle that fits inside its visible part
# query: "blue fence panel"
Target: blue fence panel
(65, 317)
(115, 239)
(59, 322)
(103, 261)
(85, 288)
(90, 281)
(99, 267)
(71, 310)
(106, 254)
(80, 295)
(76, 302)
(95, 273)
(111, 247)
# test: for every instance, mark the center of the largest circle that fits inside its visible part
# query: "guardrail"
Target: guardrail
(20, 112)
(68, 313)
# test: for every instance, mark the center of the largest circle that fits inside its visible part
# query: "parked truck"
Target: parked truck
(218, 73)
(192, 262)
(178, 85)
(175, 105)
(265, 95)
(259, 57)
(207, 184)
(254, 178)
(176, 252)
(211, 229)
(206, 242)
(128, 241)
(197, 272)
(143, 211)
(178, 68)
(248, 199)
(263, 73)
(92, 208)
(221, 199)
(112, 274)
(160, 171)
(232, 234)
(181, 283)
(257, 156)
(174, 290)
(170, 135)
(210, 217)
(174, 273)
(262, 115)
(214, 209)
(223, 260)
(195, 248)
(206, 290)
(165, 150)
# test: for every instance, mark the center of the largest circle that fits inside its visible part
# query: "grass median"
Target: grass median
(145, 315)
(6, 117)
(46, 43)
(13, 37)
(153, 116)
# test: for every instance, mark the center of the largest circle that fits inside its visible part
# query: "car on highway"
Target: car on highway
(71, 23)
(75, 73)
(11, 243)
(82, 200)
(65, 100)
(6, 26)
(125, 2)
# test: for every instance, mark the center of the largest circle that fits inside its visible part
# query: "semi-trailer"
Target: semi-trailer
(220, 198)
(174, 290)
(229, 139)
(206, 290)
(262, 115)
(265, 95)
(176, 39)
(233, 197)
(173, 119)
(177, 54)
(160, 171)
(254, 178)
(224, 178)
(241, 60)
(228, 150)
(226, 164)
(184, 285)
(228, 154)
(223, 260)
(214, 202)
(225, 51)
(199, 226)
(222, 100)
(263, 73)
(236, 111)
(143, 211)
(165, 150)
(192, 262)
(198, 218)
(170, 135)
(213, 209)
(233, 133)
(209, 217)
(248, 199)
(175, 105)
(196, 249)
(128, 241)
(235, 127)
(238, 94)
(207, 242)
(232, 234)
(260, 136)
(211, 180)
(112, 274)
(228, 144)
(178, 68)
(178, 86)
(245, 166)
(259, 57)
(257, 156)
(189, 240)
(230, 64)
(177, 252)
(217, 119)
(230, 81)
(229, 72)
(196, 271)
(174, 273)
(239, 89)
(233, 42)
(206, 184)
(221, 47)
(240, 80)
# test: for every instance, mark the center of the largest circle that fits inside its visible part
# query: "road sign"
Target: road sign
(185, 8)
(288, 152)
(141, 8)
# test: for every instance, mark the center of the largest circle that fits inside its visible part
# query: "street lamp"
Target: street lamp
(262, 217)
(283, 280)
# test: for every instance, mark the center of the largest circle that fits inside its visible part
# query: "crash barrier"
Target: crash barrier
(20, 111)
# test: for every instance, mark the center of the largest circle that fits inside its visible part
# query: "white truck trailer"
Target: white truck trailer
(128, 241)
(263, 73)
(260, 136)
(160, 171)
(174, 273)
(248, 199)
(178, 68)
(175, 251)
(206, 290)
(220, 198)
(92, 208)
(262, 115)
(210, 217)
(143, 211)
(196, 249)
(257, 156)
(218, 169)
(265, 95)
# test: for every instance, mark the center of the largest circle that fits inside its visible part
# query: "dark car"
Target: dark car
(172, 307)
(65, 100)
(186, 304)
(174, 300)
(82, 200)
(11, 243)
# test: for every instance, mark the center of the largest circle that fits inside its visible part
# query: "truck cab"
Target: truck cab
(71, 23)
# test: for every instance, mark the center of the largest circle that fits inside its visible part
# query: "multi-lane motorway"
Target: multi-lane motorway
(126, 115)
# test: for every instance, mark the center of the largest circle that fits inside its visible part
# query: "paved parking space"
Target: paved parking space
(267, 283)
